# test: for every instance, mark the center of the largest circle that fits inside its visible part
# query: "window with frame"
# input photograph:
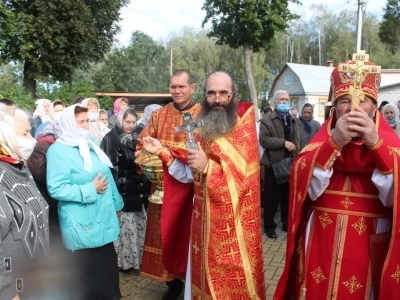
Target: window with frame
(288, 79)
(322, 104)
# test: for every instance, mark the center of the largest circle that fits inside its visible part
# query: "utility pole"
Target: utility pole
(319, 40)
(170, 62)
(361, 5)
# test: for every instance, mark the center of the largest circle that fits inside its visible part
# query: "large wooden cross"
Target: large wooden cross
(188, 126)
(359, 70)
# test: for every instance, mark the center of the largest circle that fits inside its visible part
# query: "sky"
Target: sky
(160, 18)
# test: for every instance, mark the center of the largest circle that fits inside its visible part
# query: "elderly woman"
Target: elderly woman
(79, 177)
(42, 114)
(119, 145)
(391, 114)
(24, 228)
(97, 129)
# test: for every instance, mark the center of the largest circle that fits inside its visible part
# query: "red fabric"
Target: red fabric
(243, 107)
(9, 159)
(300, 179)
(176, 215)
(46, 139)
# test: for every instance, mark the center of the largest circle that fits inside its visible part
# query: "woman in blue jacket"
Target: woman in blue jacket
(79, 177)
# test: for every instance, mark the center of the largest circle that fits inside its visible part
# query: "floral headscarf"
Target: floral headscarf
(117, 106)
(148, 110)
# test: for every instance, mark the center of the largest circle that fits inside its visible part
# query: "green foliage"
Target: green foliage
(252, 22)
(54, 38)
(389, 31)
(140, 67)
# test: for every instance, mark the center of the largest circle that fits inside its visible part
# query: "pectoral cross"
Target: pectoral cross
(188, 126)
(359, 71)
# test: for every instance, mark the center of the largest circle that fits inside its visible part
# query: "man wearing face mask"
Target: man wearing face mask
(280, 137)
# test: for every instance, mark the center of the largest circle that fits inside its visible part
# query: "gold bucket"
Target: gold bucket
(152, 168)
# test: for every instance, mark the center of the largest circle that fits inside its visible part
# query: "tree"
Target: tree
(389, 31)
(251, 24)
(142, 66)
(54, 38)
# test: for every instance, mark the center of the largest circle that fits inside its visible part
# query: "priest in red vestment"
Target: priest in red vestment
(169, 265)
(225, 250)
(343, 237)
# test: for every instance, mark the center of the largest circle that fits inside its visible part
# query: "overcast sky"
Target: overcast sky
(159, 18)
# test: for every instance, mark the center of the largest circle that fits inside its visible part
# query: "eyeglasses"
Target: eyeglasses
(223, 95)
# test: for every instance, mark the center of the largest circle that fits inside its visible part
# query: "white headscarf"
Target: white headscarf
(71, 137)
(39, 111)
(8, 138)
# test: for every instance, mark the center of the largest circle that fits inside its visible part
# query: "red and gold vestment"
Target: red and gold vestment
(226, 237)
(343, 245)
(166, 241)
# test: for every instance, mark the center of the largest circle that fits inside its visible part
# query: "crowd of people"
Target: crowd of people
(74, 196)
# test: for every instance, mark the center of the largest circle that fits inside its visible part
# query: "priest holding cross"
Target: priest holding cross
(343, 239)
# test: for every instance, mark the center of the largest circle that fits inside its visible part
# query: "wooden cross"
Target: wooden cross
(188, 126)
(359, 70)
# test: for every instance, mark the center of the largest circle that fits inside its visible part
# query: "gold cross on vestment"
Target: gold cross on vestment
(359, 70)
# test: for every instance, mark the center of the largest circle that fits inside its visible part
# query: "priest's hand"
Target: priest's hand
(197, 159)
(342, 134)
(151, 144)
(362, 123)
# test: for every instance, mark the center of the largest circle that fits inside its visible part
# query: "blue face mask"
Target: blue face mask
(392, 122)
(283, 107)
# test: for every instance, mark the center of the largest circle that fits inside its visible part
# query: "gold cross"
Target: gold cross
(228, 228)
(196, 248)
(232, 252)
(197, 213)
(396, 275)
(359, 71)
(238, 277)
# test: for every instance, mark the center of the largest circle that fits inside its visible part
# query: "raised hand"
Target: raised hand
(151, 144)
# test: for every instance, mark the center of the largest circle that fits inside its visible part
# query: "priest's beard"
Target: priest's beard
(218, 119)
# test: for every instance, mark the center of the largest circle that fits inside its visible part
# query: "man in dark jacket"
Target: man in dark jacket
(309, 126)
(280, 137)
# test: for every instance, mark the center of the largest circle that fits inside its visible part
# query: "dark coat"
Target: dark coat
(133, 186)
(272, 137)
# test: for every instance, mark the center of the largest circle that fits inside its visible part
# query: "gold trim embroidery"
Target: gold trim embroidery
(325, 219)
(352, 284)
(360, 226)
(346, 202)
(396, 275)
(310, 147)
(318, 275)
(351, 194)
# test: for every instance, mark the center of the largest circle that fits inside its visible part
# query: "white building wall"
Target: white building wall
(390, 94)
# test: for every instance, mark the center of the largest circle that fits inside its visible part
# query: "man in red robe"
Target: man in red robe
(343, 225)
(170, 265)
(226, 240)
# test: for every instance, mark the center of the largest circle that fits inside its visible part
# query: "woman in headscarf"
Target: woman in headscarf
(119, 103)
(148, 110)
(97, 129)
(42, 114)
(24, 228)
(79, 177)
(119, 145)
(391, 114)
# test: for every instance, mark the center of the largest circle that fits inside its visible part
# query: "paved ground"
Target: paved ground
(136, 287)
